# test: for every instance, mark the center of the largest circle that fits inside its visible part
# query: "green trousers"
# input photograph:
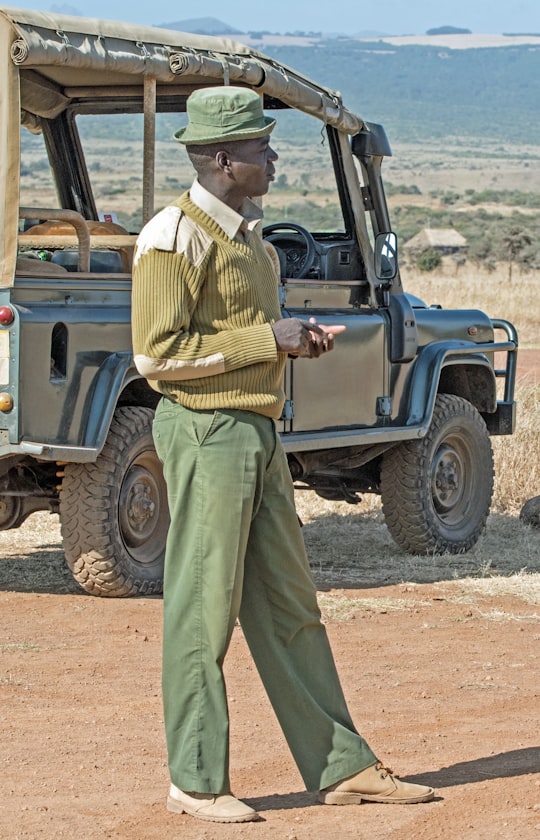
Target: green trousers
(235, 550)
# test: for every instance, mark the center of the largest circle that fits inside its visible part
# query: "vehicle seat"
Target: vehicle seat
(107, 260)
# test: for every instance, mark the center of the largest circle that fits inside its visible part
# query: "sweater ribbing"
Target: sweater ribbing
(210, 318)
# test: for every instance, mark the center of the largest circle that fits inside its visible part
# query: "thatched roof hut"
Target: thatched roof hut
(444, 240)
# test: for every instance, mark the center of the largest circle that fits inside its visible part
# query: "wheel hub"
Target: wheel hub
(139, 506)
(447, 479)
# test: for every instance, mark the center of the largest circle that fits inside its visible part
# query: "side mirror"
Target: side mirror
(386, 264)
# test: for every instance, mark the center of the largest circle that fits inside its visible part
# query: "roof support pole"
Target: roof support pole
(149, 156)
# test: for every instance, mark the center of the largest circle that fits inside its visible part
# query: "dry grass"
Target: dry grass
(469, 286)
(517, 458)
(337, 607)
(524, 586)
(480, 592)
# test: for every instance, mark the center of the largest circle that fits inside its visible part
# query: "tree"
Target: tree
(513, 242)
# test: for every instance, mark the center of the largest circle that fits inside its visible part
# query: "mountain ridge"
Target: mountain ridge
(453, 38)
(418, 86)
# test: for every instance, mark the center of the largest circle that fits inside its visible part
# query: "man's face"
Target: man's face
(252, 166)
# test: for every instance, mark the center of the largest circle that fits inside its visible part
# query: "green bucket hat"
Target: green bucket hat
(224, 113)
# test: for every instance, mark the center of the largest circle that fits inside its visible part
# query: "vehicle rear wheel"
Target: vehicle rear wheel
(114, 514)
(11, 512)
(436, 491)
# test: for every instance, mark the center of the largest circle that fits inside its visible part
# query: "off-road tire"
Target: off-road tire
(113, 513)
(436, 491)
(11, 512)
(530, 512)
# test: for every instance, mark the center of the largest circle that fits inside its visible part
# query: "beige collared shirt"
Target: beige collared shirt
(236, 225)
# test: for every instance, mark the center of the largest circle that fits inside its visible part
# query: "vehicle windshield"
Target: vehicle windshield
(304, 190)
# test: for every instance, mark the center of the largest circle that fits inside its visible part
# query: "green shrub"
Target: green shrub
(428, 260)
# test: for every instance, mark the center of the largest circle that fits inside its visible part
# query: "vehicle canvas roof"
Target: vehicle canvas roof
(77, 52)
(50, 61)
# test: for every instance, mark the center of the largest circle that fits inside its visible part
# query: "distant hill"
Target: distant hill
(452, 37)
(419, 87)
(202, 26)
(448, 30)
(422, 92)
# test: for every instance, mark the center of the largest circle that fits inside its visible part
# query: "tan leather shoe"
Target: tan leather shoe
(223, 807)
(375, 784)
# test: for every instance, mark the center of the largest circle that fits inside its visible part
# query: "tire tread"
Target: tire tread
(88, 534)
(405, 484)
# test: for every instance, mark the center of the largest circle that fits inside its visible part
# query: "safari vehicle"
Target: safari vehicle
(404, 406)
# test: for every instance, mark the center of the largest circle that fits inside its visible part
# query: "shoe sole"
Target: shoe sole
(177, 807)
(344, 798)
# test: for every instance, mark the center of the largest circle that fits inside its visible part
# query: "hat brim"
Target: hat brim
(198, 136)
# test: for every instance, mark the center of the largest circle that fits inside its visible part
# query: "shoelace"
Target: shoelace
(384, 771)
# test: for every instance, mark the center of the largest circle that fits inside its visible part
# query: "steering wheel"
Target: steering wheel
(298, 264)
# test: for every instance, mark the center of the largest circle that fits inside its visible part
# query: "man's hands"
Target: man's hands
(305, 339)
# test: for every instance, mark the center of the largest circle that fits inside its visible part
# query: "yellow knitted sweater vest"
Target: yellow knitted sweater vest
(202, 309)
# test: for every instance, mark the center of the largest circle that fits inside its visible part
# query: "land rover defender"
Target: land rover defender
(403, 407)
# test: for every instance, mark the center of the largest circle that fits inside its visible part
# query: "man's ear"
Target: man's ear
(223, 160)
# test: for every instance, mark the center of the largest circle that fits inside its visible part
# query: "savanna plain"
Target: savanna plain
(438, 655)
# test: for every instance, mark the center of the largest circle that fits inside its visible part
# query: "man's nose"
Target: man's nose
(272, 155)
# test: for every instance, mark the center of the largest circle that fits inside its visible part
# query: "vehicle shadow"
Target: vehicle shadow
(40, 569)
(345, 551)
(356, 551)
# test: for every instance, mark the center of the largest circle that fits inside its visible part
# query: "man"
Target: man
(208, 335)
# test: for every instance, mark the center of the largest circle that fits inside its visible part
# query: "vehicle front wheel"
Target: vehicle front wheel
(114, 514)
(436, 491)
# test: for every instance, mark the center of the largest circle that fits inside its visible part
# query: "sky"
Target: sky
(391, 17)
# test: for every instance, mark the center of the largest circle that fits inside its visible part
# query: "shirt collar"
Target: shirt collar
(229, 220)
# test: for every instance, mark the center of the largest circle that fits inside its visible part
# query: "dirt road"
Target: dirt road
(439, 666)
(442, 679)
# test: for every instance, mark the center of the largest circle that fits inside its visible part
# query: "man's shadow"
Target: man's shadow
(500, 766)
